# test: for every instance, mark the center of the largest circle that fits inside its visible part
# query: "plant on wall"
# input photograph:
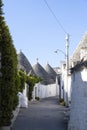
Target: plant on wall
(31, 81)
(22, 77)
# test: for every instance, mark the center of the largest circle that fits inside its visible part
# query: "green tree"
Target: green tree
(8, 77)
(22, 77)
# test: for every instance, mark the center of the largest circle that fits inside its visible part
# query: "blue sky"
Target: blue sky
(35, 31)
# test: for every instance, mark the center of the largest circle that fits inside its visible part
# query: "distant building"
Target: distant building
(47, 74)
(41, 72)
(57, 70)
(51, 72)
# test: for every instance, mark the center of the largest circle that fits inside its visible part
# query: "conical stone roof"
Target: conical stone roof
(40, 72)
(82, 45)
(24, 64)
(50, 71)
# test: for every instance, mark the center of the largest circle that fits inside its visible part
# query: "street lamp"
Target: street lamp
(58, 50)
(67, 65)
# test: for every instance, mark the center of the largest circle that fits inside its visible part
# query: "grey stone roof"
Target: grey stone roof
(40, 72)
(24, 64)
(51, 72)
(82, 45)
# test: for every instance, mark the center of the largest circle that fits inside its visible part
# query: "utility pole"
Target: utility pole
(67, 67)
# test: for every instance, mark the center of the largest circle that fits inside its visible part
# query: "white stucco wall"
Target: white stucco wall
(78, 112)
(67, 86)
(25, 91)
(44, 91)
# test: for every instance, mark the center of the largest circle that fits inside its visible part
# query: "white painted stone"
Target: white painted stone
(67, 86)
(44, 91)
(25, 91)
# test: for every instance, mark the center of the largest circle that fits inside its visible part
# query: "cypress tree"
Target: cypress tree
(8, 71)
(1, 4)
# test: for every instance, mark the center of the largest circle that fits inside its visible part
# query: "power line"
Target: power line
(57, 20)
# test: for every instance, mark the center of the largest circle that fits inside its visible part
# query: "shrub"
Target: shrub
(61, 100)
(37, 98)
(22, 77)
(63, 103)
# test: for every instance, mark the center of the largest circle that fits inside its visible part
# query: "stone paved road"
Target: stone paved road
(43, 115)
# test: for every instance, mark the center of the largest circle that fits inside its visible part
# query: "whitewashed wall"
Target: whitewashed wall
(64, 82)
(78, 113)
(25, 91)
(64, 87)
(44, 91)
(67, 87)
(61, 89)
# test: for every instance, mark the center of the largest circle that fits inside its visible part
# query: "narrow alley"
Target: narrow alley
(45, 114)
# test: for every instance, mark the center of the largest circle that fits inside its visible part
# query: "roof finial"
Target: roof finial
(20, 50)
(37, 60)
(47, 62)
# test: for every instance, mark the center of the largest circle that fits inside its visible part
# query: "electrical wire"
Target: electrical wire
(57, 20)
